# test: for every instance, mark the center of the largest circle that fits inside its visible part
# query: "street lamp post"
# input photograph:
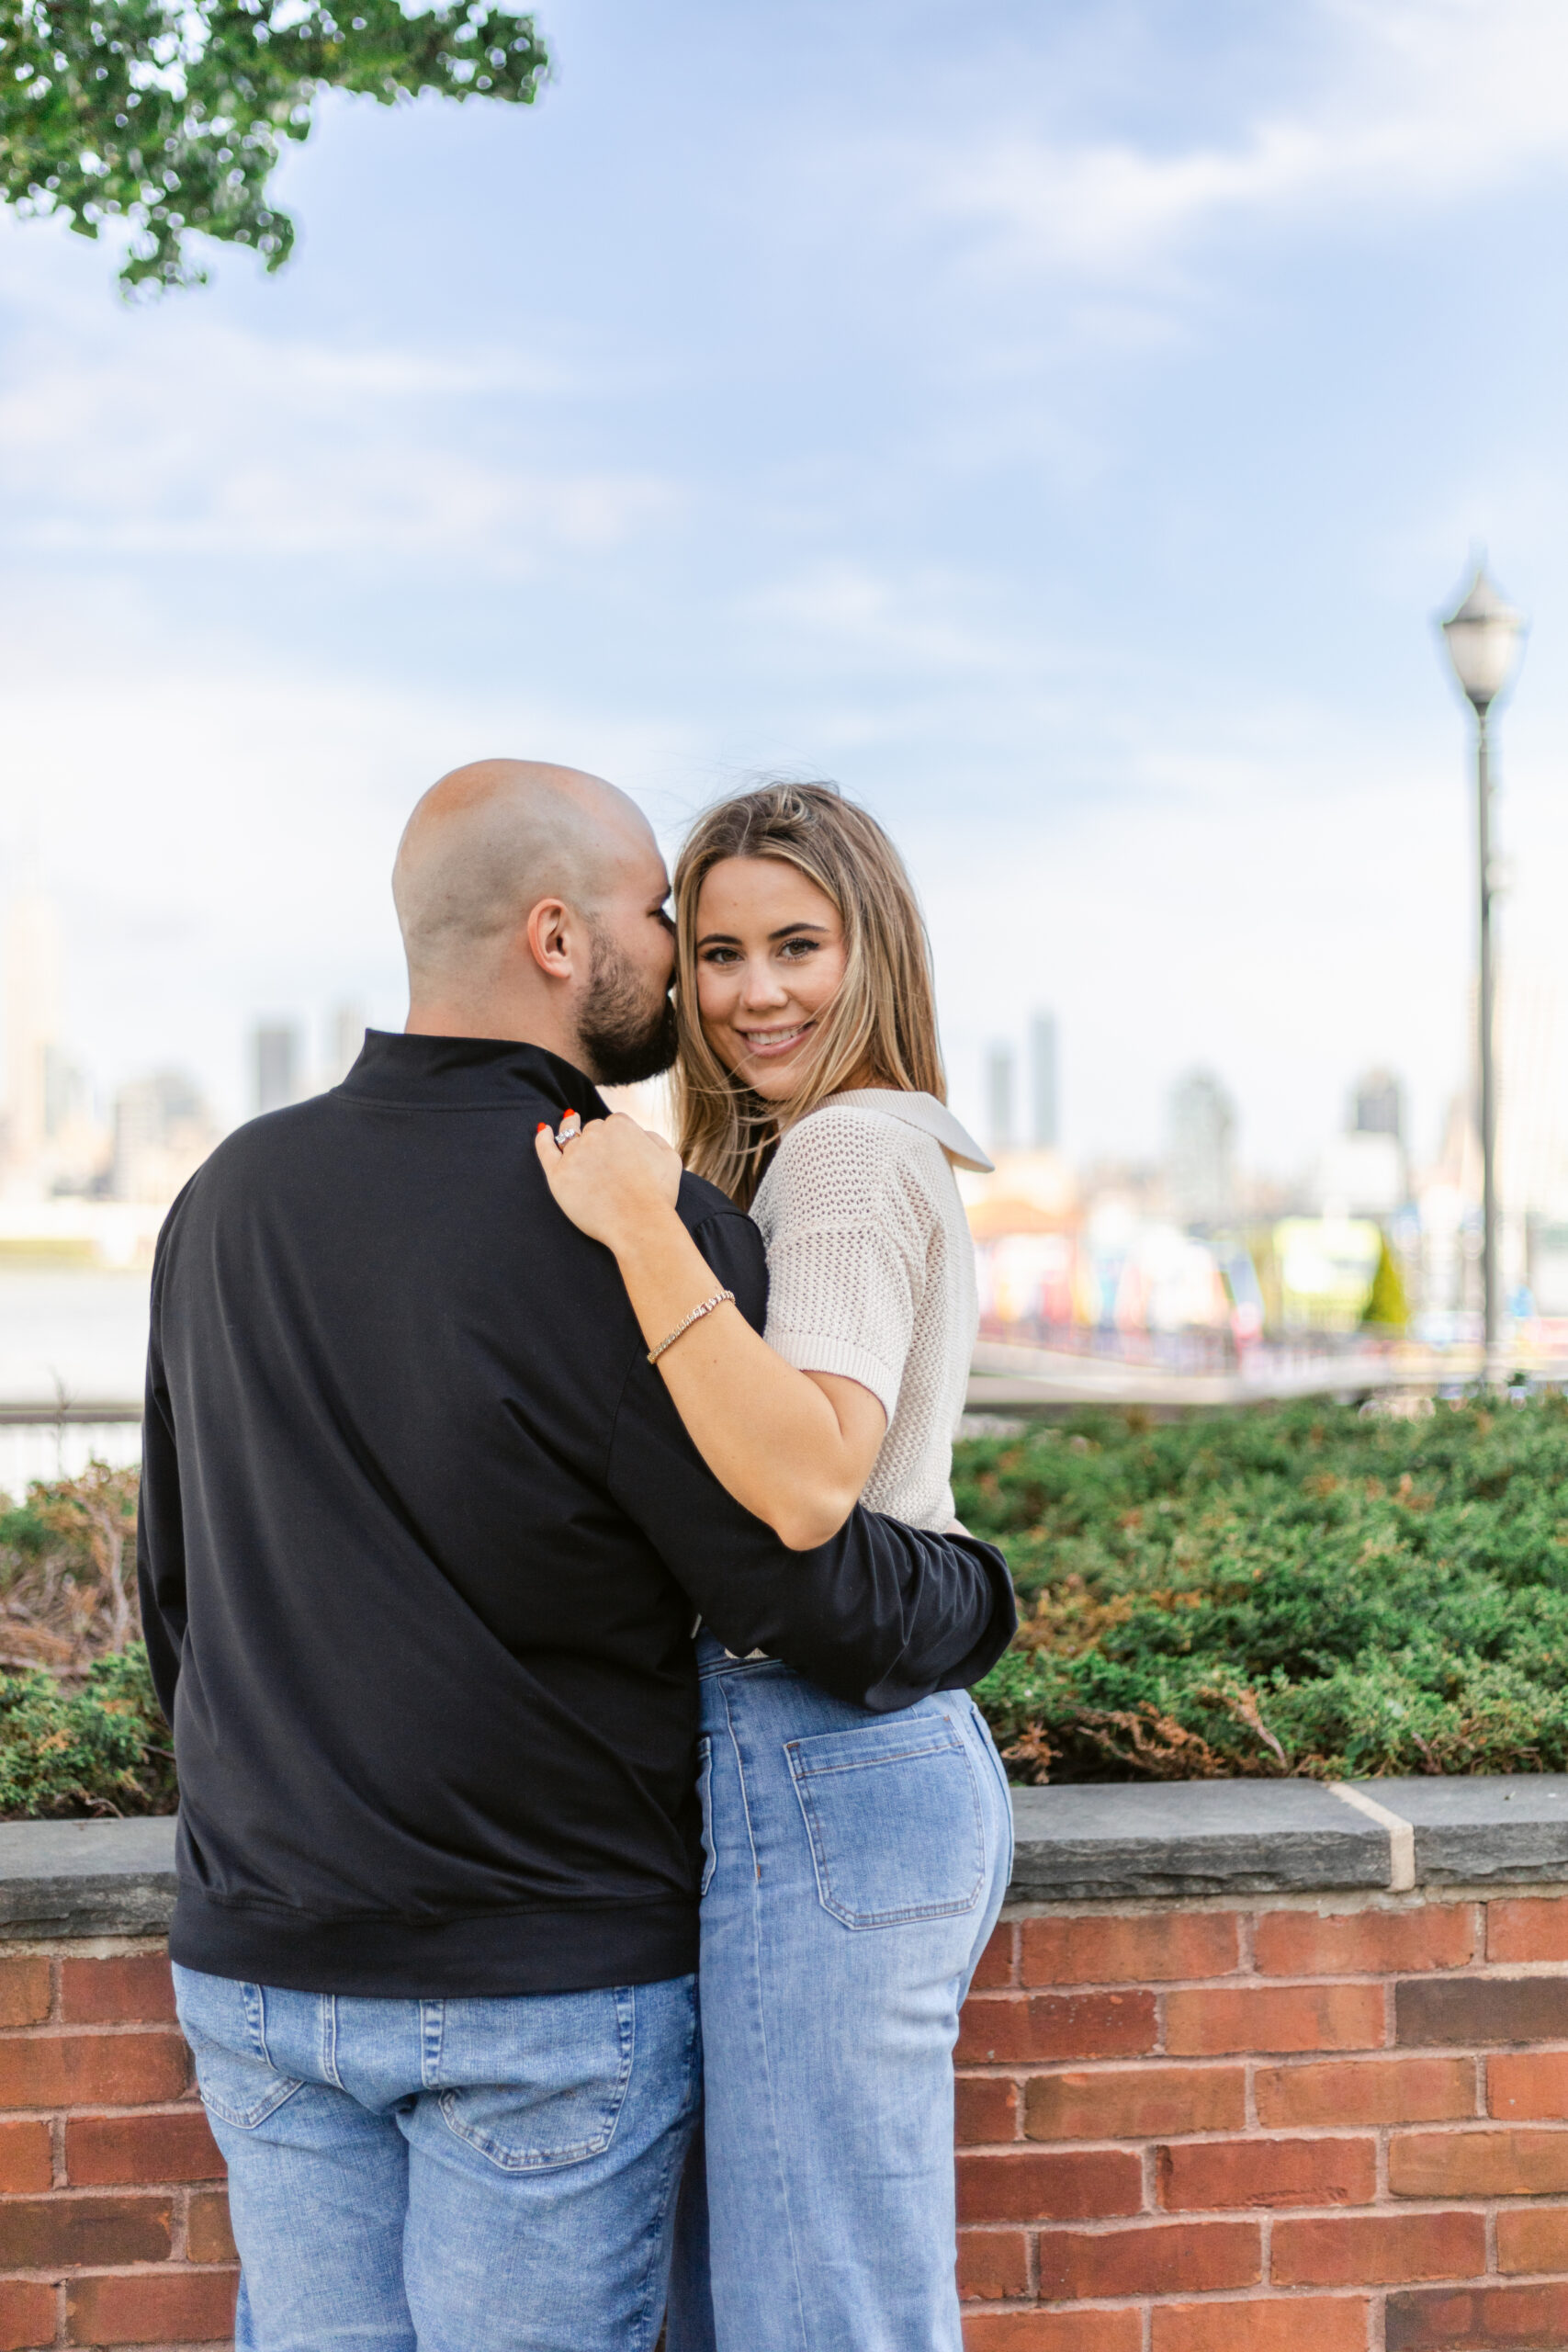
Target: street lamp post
(1482, 641)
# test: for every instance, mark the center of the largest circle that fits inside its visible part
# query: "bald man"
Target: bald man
(422, 1542)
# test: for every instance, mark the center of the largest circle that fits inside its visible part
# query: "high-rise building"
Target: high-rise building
(1001, 1130)
(162, 1132)
(31, 994)
(1045, 1129)
(1377, 1106)
(277, 1065)
(346, 1036)
(1201, 1165)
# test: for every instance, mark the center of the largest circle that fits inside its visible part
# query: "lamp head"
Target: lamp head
(1482, 639)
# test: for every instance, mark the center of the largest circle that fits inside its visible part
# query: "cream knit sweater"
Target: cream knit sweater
(871, 1273)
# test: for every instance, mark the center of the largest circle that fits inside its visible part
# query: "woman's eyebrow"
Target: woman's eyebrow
(718, 939)
(786, 930)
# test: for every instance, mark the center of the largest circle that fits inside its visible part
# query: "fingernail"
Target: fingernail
(543, 1128)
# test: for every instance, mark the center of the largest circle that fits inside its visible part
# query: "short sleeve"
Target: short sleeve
(846, 1250)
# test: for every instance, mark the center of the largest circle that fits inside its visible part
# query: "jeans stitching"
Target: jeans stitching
(651, 2312)
(783, 2182)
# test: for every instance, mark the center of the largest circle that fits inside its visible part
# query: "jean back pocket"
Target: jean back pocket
(892, 1814)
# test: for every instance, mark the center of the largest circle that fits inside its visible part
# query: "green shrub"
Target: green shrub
(1304, 1590)
(93, 1746)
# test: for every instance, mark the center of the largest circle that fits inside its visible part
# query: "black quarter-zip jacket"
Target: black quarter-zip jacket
(422, 1540)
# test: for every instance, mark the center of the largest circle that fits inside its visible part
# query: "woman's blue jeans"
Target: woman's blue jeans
(855, 1866)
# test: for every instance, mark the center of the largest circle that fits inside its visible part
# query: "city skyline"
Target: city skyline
(1074, 475)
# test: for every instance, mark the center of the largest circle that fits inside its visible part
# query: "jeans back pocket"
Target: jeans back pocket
(892, 1814)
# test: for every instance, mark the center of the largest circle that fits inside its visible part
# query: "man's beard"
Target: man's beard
(621, 1037)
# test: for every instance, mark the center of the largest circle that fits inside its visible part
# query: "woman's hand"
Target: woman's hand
(613, 1180)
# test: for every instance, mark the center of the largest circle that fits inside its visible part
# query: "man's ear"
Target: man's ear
(553, 934)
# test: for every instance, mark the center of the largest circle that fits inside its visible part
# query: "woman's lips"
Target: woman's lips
(767, 1044)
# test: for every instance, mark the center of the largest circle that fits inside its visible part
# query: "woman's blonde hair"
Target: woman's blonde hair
(881, 1024)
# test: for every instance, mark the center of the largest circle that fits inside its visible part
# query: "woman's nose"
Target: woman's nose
(762, 986)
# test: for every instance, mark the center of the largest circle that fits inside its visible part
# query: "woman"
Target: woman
(855, 1863)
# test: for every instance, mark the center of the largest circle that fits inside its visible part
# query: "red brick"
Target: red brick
(1365, 1943)
(1084, 2025)
(996, 1962)
(92, 2069)
(24, 1992)
(134, 1989)
(993, 2265)
(176, 2305)
(1134, 2102)
(26, 2159)
(26, 2314)
(1139, 1950)
(1208, 2175)
(1378, 2249)
(209, 2238)
(1532, 2237)
(1527, 1928)
(1174, 2258)
(986, 2109)
(44, 2231)
(1465, 2010)
(1286, 2324)
(176, 2145)
(1270, 2017)
(1099, 2331)
(1034, 2186)
(1500, 2163)
(1367, 2090)
(1533, 2089)
(1478, 2319)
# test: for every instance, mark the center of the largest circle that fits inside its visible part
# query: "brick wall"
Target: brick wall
(1327, 2127)
(113, 2226)
(1334, 2124)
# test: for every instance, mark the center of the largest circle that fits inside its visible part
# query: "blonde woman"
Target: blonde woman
(855, 1863)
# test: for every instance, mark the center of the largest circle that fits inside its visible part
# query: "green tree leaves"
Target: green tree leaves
(171, 119)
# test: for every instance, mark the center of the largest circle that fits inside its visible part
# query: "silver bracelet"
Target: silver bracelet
(696, 1316)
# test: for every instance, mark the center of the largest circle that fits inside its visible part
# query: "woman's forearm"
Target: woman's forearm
(793, 1447)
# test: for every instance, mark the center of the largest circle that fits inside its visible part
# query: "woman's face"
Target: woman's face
(770, 955)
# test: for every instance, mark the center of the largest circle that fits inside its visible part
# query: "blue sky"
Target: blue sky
(1059, 424)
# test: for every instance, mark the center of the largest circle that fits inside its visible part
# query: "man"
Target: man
(421, 1545)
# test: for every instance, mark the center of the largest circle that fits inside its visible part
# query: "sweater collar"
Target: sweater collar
(446, 1073)
(922, 1111)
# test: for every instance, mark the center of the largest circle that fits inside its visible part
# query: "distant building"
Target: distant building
(1201, 1163)
(162, 1130)
(345, 1038)
(31, 1007)
(1000, 1122)
(277, 1065)
(1377, 1106)
(1044, 1128)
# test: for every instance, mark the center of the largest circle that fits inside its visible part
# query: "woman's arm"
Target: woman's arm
(794, 1448)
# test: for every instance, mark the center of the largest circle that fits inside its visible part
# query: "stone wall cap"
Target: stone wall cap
(87, 1878)
(1087, 1841)
(1481, 1828)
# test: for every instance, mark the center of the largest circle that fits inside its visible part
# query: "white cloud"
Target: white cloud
(1424, 102)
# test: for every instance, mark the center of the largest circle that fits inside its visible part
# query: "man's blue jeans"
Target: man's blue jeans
(454, 2176)
(856, 1864)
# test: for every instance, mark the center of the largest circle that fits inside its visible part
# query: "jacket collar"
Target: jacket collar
(452, 1073)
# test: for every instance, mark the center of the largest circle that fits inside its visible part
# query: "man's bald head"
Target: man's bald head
(489, 841)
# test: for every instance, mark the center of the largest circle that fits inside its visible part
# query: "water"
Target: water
(75, 1337)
